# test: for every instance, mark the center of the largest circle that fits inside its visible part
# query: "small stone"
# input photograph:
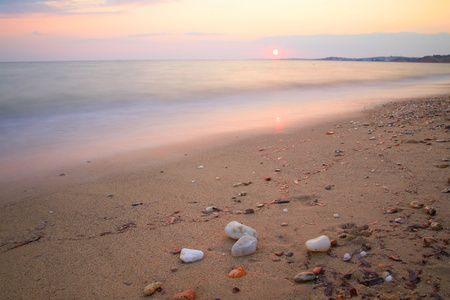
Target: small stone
(427, 241)
(430, 210)
(334, 243)
(329, 187)
(347, 257)
(236, 290)
(209, 209)
(151, 288)
(399, 221)
(217, 178)
(279, 253)
(173, 269)
(242, 194)
(237, 272)
(200, 167)
(392, 210)
(259, 205)
(246, 245)
(285, 210)
(416, 204)
(319, 244)
(318, 270)
(388, 278)
(436, 226)
(284, 224)
(236, 230)
(249, 211)
(342, 235)
(443, 165)
(363, 253)
(186, 295)
(336, 215)
(304, 277)
(190, 255)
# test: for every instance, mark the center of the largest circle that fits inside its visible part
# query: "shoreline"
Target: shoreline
(111, 235)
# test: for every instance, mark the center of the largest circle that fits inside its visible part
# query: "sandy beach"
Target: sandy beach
(108, 229)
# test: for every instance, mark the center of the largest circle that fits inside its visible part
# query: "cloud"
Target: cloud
(18, 7)
(37, 33)
(200, 33)
(147, 34)
(362, 45)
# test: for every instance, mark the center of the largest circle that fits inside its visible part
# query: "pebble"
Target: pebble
(285, 210)
(284, 224)
(246, 245)
(151, 288)
(443, 165)
(200, 167)
(249, 211)
(430, 210)
(347, 256)
(363, 253)
(190, 255)
(436, 226)
(416, 204)
(336, 215)
(237, 272)
(318, 270)
(319, 244)
(186, 295)
(388, 278)
(209, 209)
(304, 277)
(236, 230)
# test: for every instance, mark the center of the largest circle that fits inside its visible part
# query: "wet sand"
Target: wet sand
(92, 232)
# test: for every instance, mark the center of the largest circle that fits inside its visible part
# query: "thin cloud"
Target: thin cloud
(18, 7)
(147, 34)
(37, 33)
(201, 33)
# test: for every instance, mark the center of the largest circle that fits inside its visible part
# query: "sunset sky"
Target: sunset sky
(35, 30)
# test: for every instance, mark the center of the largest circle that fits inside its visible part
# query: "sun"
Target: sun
(275, 52)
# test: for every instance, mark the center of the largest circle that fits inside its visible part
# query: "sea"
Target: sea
(54, 112)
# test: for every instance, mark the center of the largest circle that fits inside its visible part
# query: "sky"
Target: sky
(50, 30)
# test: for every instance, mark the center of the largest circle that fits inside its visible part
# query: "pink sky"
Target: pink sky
(221, 29)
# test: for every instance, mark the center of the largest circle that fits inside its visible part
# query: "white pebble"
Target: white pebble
(193, 181)
(190, 255)
(50, 212)
(388, 278)
(319, 244)
(244, 246)
(209, 209)
(285, 210)
(347, 256)
(200, 167)
(336, 215)
(363, 253)
(236, 230)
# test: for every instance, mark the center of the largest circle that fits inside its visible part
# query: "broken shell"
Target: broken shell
(151, 288)
(416, 204)
(237, 272)
(190, 255)
(304, 276)
(430, 210)
(236, 230)
(319, 244)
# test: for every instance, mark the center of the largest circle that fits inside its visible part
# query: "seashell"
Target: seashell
(304, 276)
(186, 295)
(347, 256)
(236, 230)
(151, 288)
(190, 255)
(416, 204)
(246, 245)
(237, 272)
(319, 244)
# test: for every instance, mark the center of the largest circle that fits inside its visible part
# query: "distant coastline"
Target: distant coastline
(425, 59)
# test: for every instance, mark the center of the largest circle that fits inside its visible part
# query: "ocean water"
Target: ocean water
(78, 111)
